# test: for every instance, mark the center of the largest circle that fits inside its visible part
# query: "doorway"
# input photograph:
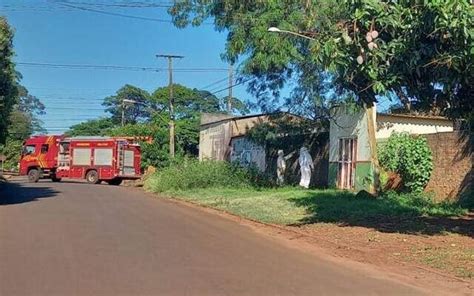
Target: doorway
(346, 162)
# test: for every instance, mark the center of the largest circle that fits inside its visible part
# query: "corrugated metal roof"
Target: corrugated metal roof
(251, 116)
(415, 116)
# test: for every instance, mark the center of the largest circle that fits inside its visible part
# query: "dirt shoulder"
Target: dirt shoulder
(443, 262)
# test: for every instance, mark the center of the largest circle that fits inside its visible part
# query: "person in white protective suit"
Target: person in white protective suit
(306, 166)
(281, 166)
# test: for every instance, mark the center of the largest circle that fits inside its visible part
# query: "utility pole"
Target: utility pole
(171, 100)
(231, 84)
(123, 112)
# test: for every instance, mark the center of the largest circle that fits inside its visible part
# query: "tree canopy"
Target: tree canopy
(23, 120)
(93, 127)
(122, 100)
(8, 77)
(418, 52)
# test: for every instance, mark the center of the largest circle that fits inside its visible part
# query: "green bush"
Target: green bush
(190, 174)
(410, 156)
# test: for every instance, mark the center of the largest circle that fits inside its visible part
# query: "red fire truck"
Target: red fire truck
(95, 159)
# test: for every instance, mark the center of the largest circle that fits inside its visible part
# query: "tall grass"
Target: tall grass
(191, 174)
(246, 193)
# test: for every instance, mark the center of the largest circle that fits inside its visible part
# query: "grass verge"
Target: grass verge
(293, 206)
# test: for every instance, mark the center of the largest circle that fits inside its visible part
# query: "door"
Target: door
(128, 163)
(346, 161)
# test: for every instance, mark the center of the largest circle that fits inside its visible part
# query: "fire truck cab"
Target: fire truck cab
(95, 159)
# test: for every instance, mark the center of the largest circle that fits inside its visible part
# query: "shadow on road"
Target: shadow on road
(17, 193)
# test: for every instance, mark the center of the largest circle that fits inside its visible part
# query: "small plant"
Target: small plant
(410, 156)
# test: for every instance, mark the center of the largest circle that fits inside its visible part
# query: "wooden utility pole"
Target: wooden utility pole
(171, 100)
(231, 84)
(123, 112)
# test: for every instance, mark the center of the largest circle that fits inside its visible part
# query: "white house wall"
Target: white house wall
(349, 124)
(214, 140)
(248, 153)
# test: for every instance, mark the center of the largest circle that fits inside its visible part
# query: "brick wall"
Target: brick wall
(452, 165)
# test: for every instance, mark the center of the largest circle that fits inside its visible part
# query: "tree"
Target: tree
(187, 102)
(22, 122)
(133, 112)
(23, 119)
(94, 127)
(188, 105)
(419, 51)
(8, 77)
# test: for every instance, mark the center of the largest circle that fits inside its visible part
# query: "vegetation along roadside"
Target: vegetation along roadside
(391, 217)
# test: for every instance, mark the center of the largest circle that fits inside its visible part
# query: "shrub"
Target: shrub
(190, 174)
(410, 156)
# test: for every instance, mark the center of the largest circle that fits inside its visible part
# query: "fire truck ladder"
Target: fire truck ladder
(121, 156)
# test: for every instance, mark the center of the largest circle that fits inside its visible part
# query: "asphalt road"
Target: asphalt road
(80, 239)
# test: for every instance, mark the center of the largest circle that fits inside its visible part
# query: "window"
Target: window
(103, 156)
(64, 148)
(44, 148)
(81, 156)
(347, 160)
(29, 149)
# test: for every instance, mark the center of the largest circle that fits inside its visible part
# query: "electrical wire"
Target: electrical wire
(116, 67)
(214, 83)
(226, 88)
(74, 108)
(79, 108)
(143, 18)
(122, 5)
(90, 66)
(114, 13)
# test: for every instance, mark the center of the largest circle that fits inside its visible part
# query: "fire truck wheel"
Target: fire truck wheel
(92, 177)
(54, 179)
(115, 182)
(33, 175)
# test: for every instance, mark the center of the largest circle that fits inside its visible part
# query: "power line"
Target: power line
(85, 66)
(116, 67)
(66, 88)
(230, 86)
(104, 109)
(26, 7)
(114, 13)
(143, 18)
(74, 108)
(123, 5)
(214, 83)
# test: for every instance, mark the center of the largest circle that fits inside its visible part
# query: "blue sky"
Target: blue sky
(49, 33)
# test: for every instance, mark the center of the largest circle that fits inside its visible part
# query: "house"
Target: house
(224, 137)
(350, 165)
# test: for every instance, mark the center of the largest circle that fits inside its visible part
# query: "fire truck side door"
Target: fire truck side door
(128, 162)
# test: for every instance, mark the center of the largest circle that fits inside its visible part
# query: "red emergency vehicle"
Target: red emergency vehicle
(95, 159)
